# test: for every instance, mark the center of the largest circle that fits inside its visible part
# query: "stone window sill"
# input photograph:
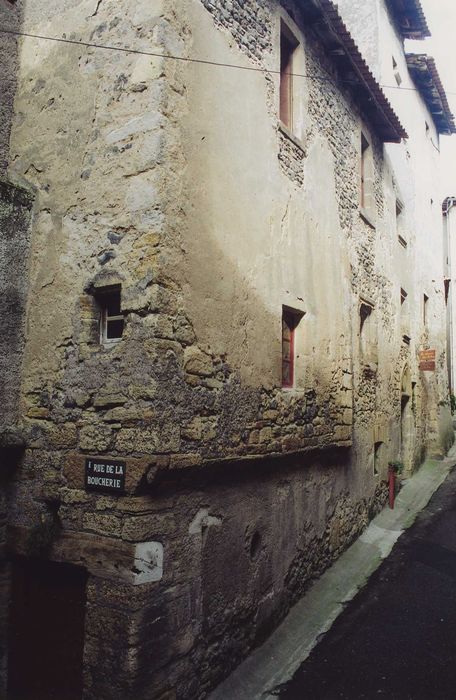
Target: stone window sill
(294, 139)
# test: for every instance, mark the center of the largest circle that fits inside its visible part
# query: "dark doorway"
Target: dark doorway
(46, 631)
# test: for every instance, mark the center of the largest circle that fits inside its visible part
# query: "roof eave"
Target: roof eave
(409, 18)
(332, 31)
(424, 73)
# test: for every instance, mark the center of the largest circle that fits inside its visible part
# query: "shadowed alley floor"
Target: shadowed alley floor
(397, 638)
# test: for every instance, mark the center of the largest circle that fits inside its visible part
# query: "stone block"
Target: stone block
(151, 439)
(95, 437)
(183, 461)
(141, 528)
(73, 471)
(148, 121)
(159, 326)
(38, 412)
(254, 437)
(102, 524)
(193, 430)
(197, 362)
(109, 399)
(265, 434)
(63, 435)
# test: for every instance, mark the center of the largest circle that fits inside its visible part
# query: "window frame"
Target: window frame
(291, 318)
(286, 81)
(425, 310)
(104, 296)
(367, 206)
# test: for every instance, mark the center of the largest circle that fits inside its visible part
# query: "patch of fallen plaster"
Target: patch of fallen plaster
(148, 563)
(203, 520)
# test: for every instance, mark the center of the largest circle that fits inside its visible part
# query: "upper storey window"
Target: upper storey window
(367, 198)
(288, 46)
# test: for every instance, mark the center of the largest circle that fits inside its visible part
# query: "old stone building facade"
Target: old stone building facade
(217, 231)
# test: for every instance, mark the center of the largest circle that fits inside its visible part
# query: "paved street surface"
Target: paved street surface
(397, 638)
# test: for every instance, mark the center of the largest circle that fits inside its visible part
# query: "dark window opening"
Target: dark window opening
(397, 75)
(377, 457)
(367, 165)
(425, 309)
(400, 223)
(446, 284)
(111, 317)
(364, 313)
(403, 296)
(290, 319)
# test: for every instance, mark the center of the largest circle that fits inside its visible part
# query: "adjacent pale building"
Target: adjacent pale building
(225, 246)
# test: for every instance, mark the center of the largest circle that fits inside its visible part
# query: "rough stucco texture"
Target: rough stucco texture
(15, 211)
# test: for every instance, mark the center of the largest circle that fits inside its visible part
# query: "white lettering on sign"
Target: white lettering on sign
(102, 481)
(107, 468)
(107, 476)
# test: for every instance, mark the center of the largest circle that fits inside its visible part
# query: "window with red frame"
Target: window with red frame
(290, 320)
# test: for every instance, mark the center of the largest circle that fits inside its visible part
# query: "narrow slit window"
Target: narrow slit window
(290, 320)
(111, 318)
(397, 75)
(367, 334)
(425, 309)
(288, 46)
(400, 223)
(366, 176)
(403, 296)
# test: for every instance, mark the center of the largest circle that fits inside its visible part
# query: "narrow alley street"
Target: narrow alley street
(397, 638)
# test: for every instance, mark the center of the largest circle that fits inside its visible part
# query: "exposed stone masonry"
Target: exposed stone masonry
(291, 158)
(248, 22)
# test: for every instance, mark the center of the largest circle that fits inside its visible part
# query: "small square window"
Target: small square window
(111, 318)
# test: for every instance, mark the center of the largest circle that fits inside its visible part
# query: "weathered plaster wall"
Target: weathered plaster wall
(413, 177)
(10, 19)
(15, 213)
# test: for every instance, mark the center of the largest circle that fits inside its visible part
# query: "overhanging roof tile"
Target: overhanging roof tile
(333, 33)
(409, 18)
(426, 78)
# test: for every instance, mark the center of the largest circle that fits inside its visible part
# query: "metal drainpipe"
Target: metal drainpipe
(448, 204)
